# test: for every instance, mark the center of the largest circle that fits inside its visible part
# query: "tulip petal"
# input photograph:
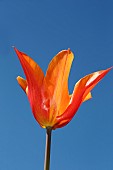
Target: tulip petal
(35, 77)
(89, 96)
(57, 80)
(32, 64)
(23, 83)
(81, 90)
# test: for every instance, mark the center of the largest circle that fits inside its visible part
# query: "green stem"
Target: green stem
(47, 148)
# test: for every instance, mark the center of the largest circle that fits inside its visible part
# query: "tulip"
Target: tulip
(52, 105)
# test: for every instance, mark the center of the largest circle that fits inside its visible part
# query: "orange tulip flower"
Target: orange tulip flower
(49, 98)
(52, 105)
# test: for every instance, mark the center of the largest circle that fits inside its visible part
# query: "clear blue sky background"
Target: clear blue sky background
(41, 29)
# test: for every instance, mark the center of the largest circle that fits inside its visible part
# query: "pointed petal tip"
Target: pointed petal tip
(110, 68)
(16, 50)
(13, 47)
(18, 77)
(88, 97)
(69, 51)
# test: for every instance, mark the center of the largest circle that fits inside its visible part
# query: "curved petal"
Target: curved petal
(23, 83)
(57, 81)
(35, 77)
(81, 90)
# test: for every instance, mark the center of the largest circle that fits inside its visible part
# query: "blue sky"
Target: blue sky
(41, 29)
